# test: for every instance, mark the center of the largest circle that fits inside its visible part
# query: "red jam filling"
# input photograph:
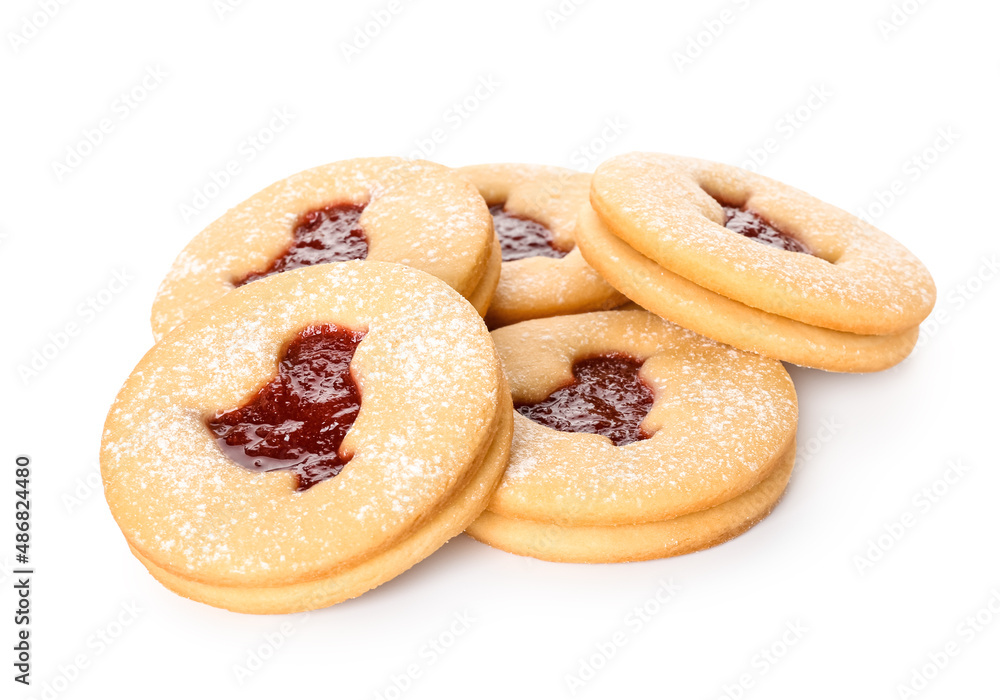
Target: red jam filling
(521, 237)
(606, 397)
(298, 420)
(330, 234)
(756, 227)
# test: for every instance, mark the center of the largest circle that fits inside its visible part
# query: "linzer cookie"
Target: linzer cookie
(635, 439)
(307, 437)
(389, 209)
(534, 211)
(754, 263)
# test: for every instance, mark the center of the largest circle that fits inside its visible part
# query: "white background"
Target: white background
(868, 444)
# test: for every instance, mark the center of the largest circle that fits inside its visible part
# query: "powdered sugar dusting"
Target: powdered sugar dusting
(720, 416)
(862, 281)
(537, 286)
(410, 205)
(430, 389)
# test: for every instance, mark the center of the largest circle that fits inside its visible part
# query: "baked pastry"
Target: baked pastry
(307, 437)
(534, 211)
(825, 289)
(635, 439)
(416, 213)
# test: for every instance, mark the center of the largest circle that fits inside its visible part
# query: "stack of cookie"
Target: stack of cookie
(325, 404)
(827, 290)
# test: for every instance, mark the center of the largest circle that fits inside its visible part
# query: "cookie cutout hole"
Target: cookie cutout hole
(739, 218)
(606, 397)
(329, 234)
(298, 420)
(521, 237)
(752, 225)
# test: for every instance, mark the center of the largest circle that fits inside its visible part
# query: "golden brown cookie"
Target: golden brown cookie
(656, 540)
(534, 209)
(754, 263)
(307, 437)
(416, 213)
(710, 457)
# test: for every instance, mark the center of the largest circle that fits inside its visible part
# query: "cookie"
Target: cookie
(416, 213)
(307, 437)
(754, 263)
(534, 211)
(635, 439)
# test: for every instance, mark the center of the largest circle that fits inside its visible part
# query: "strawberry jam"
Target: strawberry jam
(298, 420)
(756, 227)
(521, 237)
(330, 234)
(606, 397)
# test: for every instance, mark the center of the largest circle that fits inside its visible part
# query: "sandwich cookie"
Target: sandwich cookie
(415, 213)
(754, 263)
(635, 439)
(307, 437)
